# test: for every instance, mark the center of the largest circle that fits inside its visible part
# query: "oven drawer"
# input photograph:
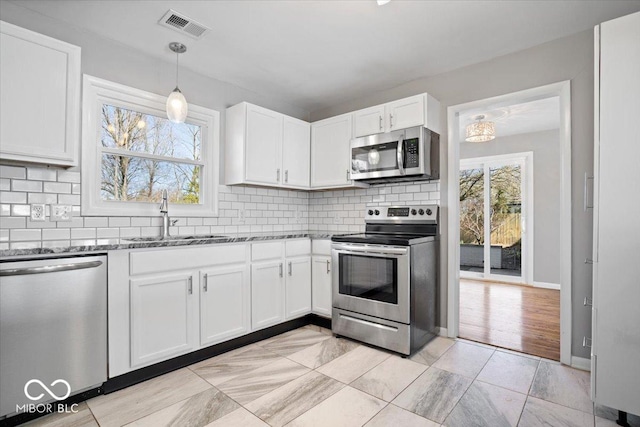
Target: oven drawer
(372, 330)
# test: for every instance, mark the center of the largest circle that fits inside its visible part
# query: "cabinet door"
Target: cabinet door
(298, 286)
(296, 147)
(321, 285)
(267, 294)
(162, 317)
(369, 121)
(263, 145)
(224, 303)
(405, 113)
(330, 152)
(40, 103)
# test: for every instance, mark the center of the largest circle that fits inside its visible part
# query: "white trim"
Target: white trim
(442, 332)
(546, 285)
(98, 91)
(563, 90)
(581, 363)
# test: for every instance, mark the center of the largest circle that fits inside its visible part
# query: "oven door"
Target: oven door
(372, 280)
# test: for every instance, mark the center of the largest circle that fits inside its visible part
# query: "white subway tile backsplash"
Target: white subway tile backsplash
(83, 233)
(24, 185)
(119, 222)
(41, 174)
(107, 233)
(55, 243)
(57, 187)
(46, 198)
(5, 210)
(56, 234)
(13, 197)
(19, 234)
(68, 176)
(12, 172)
(13, 222)
(5, 184)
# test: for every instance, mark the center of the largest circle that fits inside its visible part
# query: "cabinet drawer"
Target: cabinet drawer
(298, 247)
(321, 247)
(268, 250)
(185, 258)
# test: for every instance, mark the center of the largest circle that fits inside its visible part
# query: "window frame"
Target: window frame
(97, 92)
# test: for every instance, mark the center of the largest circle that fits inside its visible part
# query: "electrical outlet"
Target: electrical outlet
(60, 212)
(38, 212)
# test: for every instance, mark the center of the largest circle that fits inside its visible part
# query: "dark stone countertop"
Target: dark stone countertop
(178, 241)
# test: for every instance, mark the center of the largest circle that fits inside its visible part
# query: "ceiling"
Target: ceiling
(318, 54)
(534, 116)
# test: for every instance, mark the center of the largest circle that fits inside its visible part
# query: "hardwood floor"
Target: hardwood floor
(520, 318)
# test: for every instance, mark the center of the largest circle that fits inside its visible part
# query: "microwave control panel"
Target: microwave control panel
(411, 153)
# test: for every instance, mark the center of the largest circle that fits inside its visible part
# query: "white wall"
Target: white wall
(546, 192)
(569, 58)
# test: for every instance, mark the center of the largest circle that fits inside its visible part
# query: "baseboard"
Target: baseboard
(546, 285)
(581, 363)
(442, 331)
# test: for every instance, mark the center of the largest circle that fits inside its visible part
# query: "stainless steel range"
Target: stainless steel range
(385, 283)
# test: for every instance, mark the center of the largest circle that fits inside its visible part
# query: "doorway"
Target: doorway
(494, 258)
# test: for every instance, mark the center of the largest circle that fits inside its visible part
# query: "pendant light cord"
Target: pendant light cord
(177, 68)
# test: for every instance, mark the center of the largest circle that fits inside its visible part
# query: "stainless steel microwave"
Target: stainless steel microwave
(411, 154)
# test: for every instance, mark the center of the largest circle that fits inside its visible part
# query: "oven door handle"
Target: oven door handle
(370, 250)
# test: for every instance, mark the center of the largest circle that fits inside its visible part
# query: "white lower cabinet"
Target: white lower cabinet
(321, 285)
(163, 317)
(298, 287)
(267, 293)
(225, 306)
(321, 277)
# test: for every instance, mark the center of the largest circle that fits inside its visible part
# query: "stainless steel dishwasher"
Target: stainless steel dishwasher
(53, 326)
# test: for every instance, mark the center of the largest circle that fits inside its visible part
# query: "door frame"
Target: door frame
(563, 91)
(525, 160)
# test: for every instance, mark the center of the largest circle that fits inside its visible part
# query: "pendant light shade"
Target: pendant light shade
(480, 131)
(177, 107)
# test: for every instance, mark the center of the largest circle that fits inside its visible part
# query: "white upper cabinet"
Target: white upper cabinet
(40, 100)
(369, 121)
(330, 152)
(418, 110)
(296, 153)
(264, 147)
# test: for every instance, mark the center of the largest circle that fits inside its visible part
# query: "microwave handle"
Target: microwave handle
(400, 155)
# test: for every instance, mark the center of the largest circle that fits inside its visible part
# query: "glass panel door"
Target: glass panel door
(472, 221)
(506, 220)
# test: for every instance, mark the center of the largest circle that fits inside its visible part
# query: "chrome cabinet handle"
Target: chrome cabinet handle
(280, 269)
(190, 285)
(586, 342)
(348, 177)
(588, 261)
(390, 121)
(380, 122)
(586, 192)
(205, 285)
(588, 302)
(289, 268)
(286, 175)
(328, 269)
(49, 268)
(278, 175)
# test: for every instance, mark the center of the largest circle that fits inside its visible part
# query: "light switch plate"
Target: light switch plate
(38, 212)
(60, 212)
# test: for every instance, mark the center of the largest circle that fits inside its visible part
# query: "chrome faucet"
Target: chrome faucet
(164, 210)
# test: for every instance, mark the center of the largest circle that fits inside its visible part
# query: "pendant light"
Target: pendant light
(177, 107)
(480, 131)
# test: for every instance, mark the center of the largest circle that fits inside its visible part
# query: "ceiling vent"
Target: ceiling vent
(183, 24)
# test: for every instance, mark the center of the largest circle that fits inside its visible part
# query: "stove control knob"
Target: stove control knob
(377, 212)
(413, 212)
(370, 212)
(421, 211)
(428, 211)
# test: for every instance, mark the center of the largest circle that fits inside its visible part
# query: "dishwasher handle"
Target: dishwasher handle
(49, 268)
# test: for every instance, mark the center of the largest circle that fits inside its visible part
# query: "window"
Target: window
(132, 152)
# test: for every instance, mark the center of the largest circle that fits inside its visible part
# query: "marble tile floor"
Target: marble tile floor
(307, 377)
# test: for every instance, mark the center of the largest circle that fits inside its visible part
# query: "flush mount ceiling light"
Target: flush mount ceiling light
(480, 131)
(382, 2)
(177, 107)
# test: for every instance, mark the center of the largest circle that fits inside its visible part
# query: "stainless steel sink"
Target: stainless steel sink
(173, 238)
